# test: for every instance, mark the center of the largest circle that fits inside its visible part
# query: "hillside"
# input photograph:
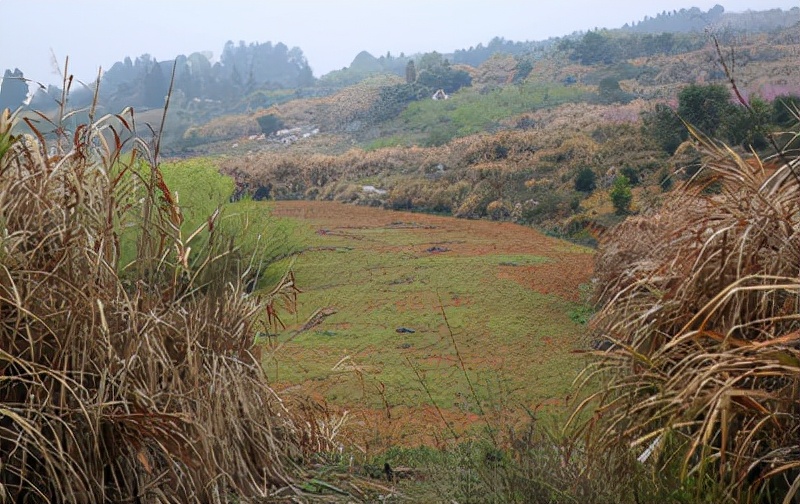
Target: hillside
(553, 271)
(511, 147)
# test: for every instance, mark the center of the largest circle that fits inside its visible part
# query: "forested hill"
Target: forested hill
(245, 68)
(241, 70)
(695, 20)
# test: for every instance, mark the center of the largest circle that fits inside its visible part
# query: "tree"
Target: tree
(596, 47)
(704, 106)
(442, 76)
(269, 124)
(621, 195)
(585, 180)
(664, 126)
(430, 61)
(411, 72)
(747, 126)
(13, 90)
(524, 69)
(785, 109)
(631, 174)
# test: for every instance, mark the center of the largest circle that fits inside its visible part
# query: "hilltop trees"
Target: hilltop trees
(13, 90)
(242, 69)
(266, 63)
(595, 47)
(411, 72)
(435, 72)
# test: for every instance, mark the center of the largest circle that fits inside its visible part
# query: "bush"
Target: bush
(609, 92)
(621, 195)
(269, 124)
(585, 180)
(785, 110)
(631, 174)
(665, 127)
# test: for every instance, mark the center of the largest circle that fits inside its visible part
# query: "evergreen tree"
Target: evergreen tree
(621, 195)
(411, 72)
(13, 90)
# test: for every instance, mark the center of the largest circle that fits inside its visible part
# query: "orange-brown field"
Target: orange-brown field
(490, 305)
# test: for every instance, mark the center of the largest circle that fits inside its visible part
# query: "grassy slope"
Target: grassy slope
(200, 190)
(498, 285)
(471, 111)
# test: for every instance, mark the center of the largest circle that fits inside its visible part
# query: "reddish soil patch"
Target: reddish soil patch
(459, 236)
(560, 277)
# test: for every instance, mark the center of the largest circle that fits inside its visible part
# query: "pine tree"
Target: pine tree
(13, 90)
(411, 72)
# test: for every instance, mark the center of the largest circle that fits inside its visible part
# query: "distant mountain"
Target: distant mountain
(695, 20)
(256, 76)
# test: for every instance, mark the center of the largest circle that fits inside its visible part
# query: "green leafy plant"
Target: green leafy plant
(621, 195)
(585, 180)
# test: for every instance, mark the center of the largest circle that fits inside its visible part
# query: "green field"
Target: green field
(483, 342)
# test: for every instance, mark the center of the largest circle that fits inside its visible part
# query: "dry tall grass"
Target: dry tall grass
(702, 303)
(125, 387)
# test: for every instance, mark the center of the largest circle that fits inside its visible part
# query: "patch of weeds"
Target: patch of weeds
(583, 311)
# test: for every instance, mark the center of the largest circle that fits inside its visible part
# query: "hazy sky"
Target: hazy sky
(97, 33)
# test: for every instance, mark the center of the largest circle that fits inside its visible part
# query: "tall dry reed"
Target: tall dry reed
(701, 302)
(125, 383)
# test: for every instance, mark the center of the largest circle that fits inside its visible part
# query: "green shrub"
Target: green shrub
(585, 180)
(631, 174)
(269, 123)
(621, 195)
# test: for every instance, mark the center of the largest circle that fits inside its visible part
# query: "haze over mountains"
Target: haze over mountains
(245, 66)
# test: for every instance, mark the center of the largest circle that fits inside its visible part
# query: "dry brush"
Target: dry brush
(700, 303)
(125, 382)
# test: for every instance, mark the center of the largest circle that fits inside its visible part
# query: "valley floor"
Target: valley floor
(440, 324)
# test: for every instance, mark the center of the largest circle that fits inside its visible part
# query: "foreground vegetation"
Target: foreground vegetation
(136, 380)
(699, 303)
